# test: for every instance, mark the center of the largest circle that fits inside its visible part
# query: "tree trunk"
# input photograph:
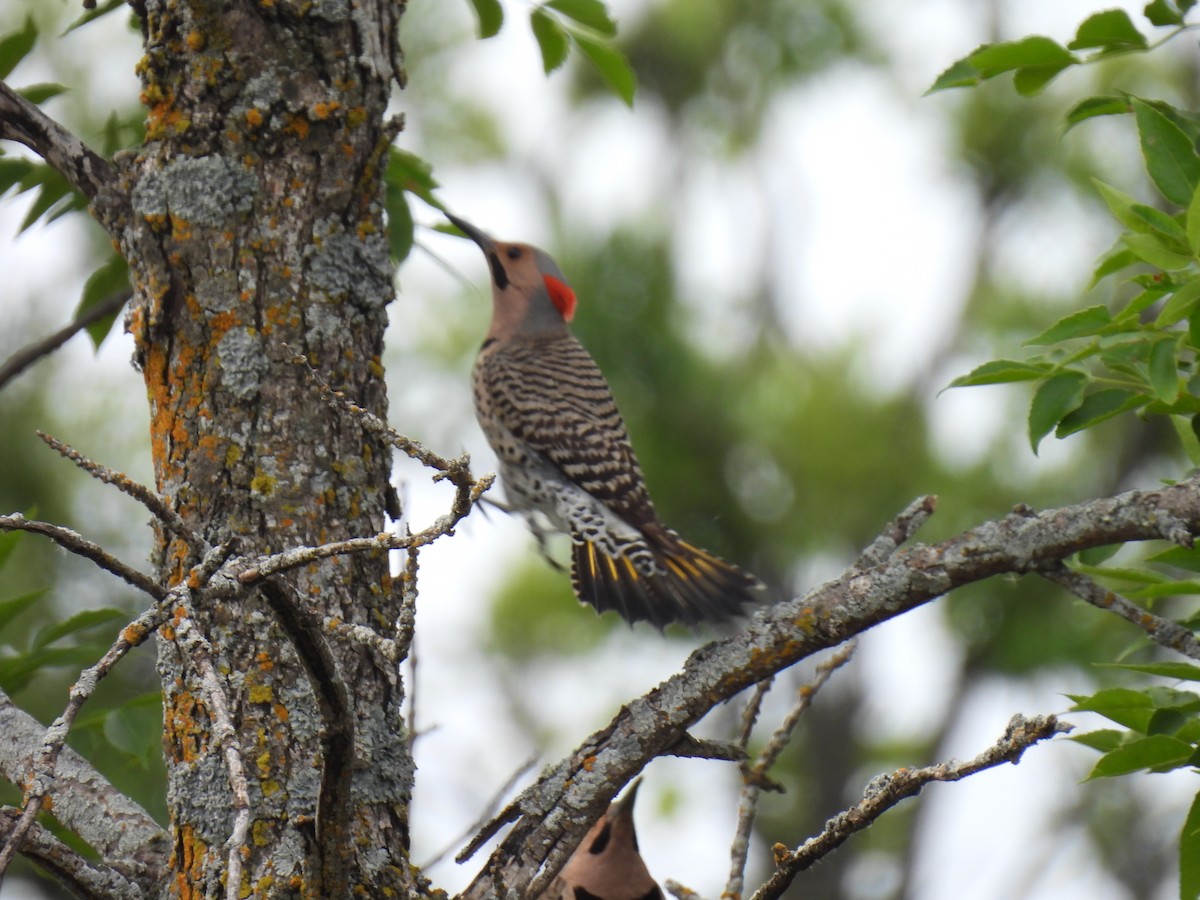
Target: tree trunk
(252, 220)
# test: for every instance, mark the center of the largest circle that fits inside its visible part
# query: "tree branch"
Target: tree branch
(81, 546)
(1162, 631)
(124, 835)
(885, 791)
(28, 355)
(552, 815)
(21, 121)
(82, 877)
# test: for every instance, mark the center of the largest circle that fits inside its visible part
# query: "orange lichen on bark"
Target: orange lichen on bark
(297, 125)
(191, 853)
(185, 729)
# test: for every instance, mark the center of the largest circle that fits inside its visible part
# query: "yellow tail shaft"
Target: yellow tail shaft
(691, 586)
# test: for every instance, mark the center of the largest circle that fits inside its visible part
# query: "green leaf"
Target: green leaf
(1113, 261)
(1181, 304)
(1111, 29)
(1121, 205)
(81, 621)
(1138, 305)
(1152, 249)
(12, 607)
(40, 93)
(1054, 399)
(490, 15)
(12, 172)
(109, 279)
(92, 14)
(400, 225)
(1097, 106)
(1160, 12)
(1164, 223)
(590, 13)
(15, 46)
(1158, 751)
(409, 172)
(612, 66)
(1000, 371)
(1189, 853)
(551, 39)
(1180, 557)
(1097, 407)
(1078, 324)
(8, 543)
(1179, 670)
(15, 671)
(1170, 154)
(1164, 369)
(1192, 222)
(960, 74)
(1034, 51)
(1104, 739)
(1125, 706)
(1029, 80)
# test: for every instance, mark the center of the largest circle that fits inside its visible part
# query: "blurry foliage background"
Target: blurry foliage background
(783, 255)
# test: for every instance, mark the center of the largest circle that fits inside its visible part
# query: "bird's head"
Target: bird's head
(528, 288)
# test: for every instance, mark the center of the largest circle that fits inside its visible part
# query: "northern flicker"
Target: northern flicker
(607, 865)
(563, 451)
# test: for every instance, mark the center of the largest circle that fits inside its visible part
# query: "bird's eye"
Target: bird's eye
(514, 252)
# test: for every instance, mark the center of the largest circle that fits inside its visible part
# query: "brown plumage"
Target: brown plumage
(607, 864)
(549, 414)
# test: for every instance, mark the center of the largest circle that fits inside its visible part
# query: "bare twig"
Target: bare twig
(86, 171)
(225, 736)
(885, 791)
(56, 735)
(77, 544)
(552, 815)
(157, 506)
(488, 811)
(1162, 631)
(443, 526)
(902, 528)
(28, 355)
(754, 777)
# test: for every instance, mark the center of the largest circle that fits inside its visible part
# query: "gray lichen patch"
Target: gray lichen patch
(206, 191)
(243, 362)
(345, 266)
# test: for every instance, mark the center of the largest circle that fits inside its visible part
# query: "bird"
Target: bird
(564, 452)
(607, 864)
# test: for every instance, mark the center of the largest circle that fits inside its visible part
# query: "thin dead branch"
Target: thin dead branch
(1162, 631)
(885, 791)
(30, 354)
(754, 777)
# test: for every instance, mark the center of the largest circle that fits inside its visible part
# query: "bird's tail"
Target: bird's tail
(688, 584)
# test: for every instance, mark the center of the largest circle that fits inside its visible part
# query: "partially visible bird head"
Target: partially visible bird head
(527, 285)
(607, 864)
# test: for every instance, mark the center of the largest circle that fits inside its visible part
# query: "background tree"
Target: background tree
(729, 381)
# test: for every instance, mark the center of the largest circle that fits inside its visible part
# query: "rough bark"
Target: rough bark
(252, 220)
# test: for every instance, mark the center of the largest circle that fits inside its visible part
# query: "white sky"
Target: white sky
(795, 206)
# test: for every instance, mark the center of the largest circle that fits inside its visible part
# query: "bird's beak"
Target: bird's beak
(486, 244)
(624, 806)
